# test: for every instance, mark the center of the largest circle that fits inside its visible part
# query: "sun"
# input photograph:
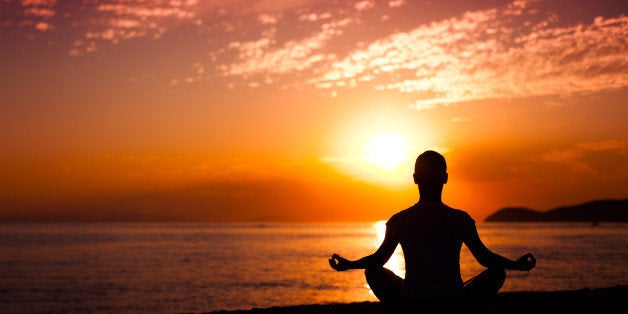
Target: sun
(386, 150)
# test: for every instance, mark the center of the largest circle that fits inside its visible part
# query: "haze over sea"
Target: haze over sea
(146, 267)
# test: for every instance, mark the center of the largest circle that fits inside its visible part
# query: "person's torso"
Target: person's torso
(431, 238)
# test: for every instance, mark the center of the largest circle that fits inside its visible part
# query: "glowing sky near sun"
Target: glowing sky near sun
(241, 110)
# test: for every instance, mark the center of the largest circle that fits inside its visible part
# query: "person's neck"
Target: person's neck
(430, 196)
(423, 200)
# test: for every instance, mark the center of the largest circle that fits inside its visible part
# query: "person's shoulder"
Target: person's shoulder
(399, 215)
(460, 214)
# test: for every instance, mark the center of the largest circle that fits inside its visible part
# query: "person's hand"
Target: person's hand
(526, 262)
(339, 263)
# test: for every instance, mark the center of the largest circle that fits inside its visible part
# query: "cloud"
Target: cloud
(364, 5)
(312, 17)
(124, 23)
(590, 157)
(41, 11)
(45, 3)
(261, 55)
(267, 19)
(512, 52)
(120, 20)
(520, 49)
(395, 3)
(43, 26)
(125, 20)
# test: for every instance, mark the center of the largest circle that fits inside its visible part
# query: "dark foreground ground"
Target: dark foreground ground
(599, 300)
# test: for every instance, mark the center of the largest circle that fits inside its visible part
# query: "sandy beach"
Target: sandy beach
(599, 300)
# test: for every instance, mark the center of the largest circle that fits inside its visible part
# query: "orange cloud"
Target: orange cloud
(312, 17)
(483, 54)
(126, 21)
(364, 5)
(42, 11)
(45, 3)
(259, 56)
(395, 3)
(578, 157)
(513, 51)
(518, 50)
(43, 26)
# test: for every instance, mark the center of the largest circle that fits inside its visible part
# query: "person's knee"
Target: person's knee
(377, 275)
(498, 274)
(372, 271)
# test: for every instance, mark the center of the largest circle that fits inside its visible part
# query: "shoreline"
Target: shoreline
(588, 300)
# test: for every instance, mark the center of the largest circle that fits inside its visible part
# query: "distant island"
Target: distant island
(594, 211)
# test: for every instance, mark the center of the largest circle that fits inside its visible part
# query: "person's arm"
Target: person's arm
(379, 258)
(489, 259)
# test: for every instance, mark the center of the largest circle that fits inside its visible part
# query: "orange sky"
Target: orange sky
(306, 110)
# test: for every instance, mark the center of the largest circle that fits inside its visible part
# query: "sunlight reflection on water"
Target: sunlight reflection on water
(396, 262)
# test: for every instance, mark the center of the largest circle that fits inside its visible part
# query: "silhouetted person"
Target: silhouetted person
(431, 236)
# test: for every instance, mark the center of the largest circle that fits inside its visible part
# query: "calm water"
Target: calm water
(204, 267)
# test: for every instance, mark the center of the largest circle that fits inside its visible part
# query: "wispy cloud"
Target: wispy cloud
(312, 17)
(579, 158)
(395, 3)
(39, 13)
(512, 52)
(364, 5)
(519, 49)
(124, 20)
(261, 56)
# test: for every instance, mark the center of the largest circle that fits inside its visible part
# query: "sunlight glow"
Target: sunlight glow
(379, 145)
(387, 151)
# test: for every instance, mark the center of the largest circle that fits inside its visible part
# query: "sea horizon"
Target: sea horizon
(201, 267)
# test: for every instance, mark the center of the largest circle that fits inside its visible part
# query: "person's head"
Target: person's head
(430, 170)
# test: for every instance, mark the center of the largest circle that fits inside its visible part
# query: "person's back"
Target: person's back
(431, 235)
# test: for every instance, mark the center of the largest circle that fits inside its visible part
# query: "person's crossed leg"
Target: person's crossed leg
(480, 292)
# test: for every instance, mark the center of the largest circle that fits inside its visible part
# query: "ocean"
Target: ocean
(172, 268)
